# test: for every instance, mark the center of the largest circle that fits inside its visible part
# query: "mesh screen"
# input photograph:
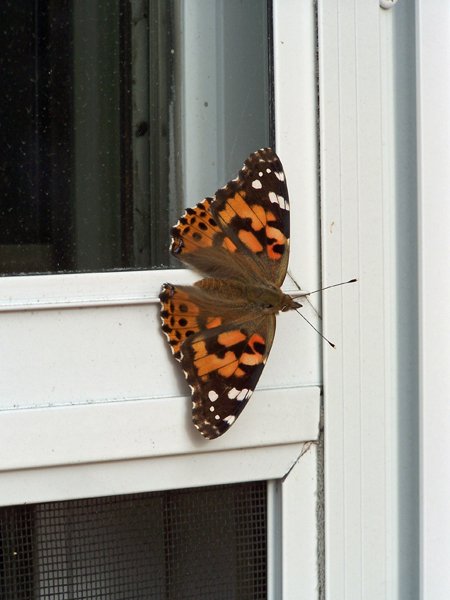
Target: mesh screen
(194, 543)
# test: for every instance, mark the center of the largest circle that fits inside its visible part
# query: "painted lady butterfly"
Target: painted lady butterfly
(221, 329)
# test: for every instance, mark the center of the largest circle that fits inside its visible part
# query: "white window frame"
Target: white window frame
(136, 444)
(361, 190)
(433, 66)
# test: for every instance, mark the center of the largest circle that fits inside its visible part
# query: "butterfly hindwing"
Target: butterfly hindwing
(223, 369)
(221, 353)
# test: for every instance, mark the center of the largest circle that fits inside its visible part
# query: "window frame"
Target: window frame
(370, 389)
(433, 56)
(130, 445)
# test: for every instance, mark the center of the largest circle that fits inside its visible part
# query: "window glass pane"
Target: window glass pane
(117, 113)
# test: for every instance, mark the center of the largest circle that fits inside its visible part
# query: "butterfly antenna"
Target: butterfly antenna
(315, 329)
(304, 295)
(327, 287)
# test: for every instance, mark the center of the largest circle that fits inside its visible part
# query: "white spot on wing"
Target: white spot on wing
(212, 395)
(233, 393)
(260, 173)
(217, 417)
(273, 197)
(242, 394)
(256, 184)
(280, 175)
(230, 419)
(268, 171)
(211, 408)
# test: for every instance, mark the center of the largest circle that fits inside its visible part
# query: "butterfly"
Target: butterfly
(221, 329)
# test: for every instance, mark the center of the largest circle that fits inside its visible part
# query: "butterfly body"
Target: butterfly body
(221, 329)
(253, 297)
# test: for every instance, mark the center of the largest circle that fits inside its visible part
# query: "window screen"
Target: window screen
(204, 543)
(114, 114)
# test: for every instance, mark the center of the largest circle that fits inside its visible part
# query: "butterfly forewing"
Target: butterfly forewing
(245, 227)
(253, 211)
(217, 331)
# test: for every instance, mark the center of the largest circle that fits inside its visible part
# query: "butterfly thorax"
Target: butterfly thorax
(262, 297)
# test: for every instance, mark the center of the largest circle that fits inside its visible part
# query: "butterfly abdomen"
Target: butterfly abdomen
(251, 297)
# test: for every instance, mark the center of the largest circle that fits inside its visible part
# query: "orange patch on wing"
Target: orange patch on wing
(256, 357)
(199, 349)
(211, 362)
(228, 370)
(276, 234)
(250, 240)
(256, 339)
(235, 206)
(226, 214)
(280, 239)
(260, 219)
(229, 245)
(212, 322)
(272, 254)
(242, 209)
(251, 359)
(229, 338)
(239, 205)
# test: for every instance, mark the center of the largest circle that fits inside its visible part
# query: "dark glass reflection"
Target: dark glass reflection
(92, 126)
(35, 129)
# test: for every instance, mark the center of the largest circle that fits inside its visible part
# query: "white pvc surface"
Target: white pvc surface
(433, 37)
